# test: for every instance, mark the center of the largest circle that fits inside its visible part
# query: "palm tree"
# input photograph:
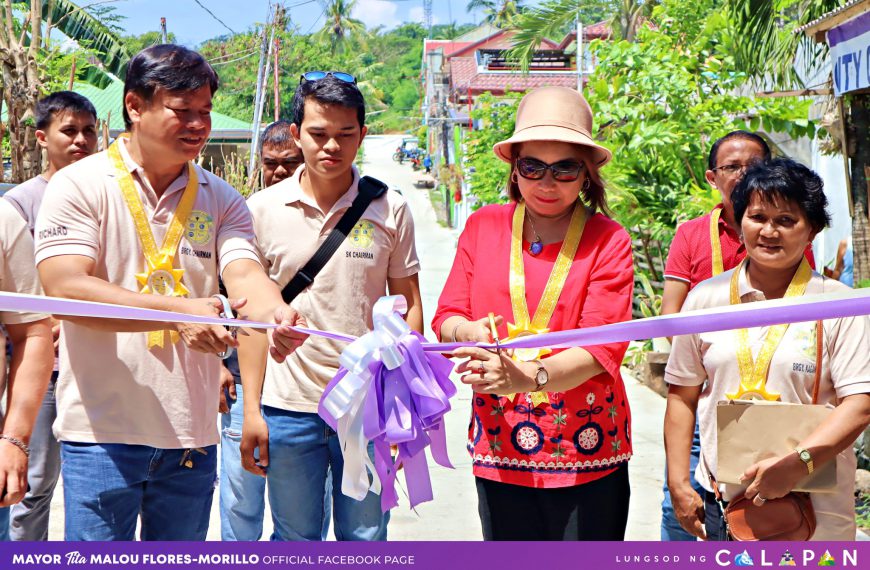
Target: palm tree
(766, 47)
(23, 48)
(340, 26)
(447, 32)
(765, 43)
(554, 16)
(499, 13)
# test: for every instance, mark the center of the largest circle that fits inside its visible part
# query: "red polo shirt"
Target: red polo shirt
(690, 258)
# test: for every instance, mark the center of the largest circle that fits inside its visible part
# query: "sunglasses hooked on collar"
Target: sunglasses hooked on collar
(318, 75)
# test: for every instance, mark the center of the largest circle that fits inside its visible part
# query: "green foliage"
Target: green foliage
(660, 103)
(387, 72)
(764, 40)
(650, 300)
(55, 67)
(862, 513)
(340, 28)
(135, 44)
(499, 13)
(93, 29)
(490, 174)
(450, 31)
(553, 18)
(422, 135)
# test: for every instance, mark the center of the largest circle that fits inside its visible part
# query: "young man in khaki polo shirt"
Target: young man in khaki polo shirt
(243, 495)
(136, 404)
(66, 127)
(32, 357)
(297, 450)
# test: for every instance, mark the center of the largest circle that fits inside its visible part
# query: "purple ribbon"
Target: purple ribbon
(404, 382)
(405, 407)
(748, 315)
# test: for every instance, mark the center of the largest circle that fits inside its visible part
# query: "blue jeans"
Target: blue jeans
(4, 524)
(303, 452)
(671, 528)
(714, 521)
(106, 487)
(242, 494)
(29, 518)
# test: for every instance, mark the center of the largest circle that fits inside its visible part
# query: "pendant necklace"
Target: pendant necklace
(537, 246)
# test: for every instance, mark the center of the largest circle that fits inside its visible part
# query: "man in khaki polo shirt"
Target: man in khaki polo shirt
(32, 356)
(242, 494)
(66, 127)
(140, 225)
(297, 450)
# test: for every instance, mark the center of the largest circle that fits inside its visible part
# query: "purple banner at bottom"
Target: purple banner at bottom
(434, 555)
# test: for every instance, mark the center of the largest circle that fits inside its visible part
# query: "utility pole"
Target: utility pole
(445, 150)
(427, 17)
(163, 30)
(579, 53)
(255, 125)
(275, 81)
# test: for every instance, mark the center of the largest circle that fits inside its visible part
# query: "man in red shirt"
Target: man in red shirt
(703, 248)
(693, 256)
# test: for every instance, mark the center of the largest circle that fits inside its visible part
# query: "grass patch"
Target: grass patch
(436, 197)
(862, 512)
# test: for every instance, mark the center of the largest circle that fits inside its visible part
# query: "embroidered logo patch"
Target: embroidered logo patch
(363, 234)
(199, 227)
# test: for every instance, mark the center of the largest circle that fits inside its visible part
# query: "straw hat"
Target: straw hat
(554, 114)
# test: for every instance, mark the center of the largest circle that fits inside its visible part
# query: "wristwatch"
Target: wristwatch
(541, 376)
(805, 456)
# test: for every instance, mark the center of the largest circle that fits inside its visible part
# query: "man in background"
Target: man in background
(66, 128)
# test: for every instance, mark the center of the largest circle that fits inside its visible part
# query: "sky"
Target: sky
(192, 24)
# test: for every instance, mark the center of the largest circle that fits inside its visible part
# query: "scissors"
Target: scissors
(494, 331)
(227, 313)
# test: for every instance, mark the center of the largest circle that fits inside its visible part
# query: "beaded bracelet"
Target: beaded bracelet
(17, 443)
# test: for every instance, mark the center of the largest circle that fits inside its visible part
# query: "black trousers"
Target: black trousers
(593, 511)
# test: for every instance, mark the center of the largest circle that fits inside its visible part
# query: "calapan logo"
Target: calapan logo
(363, 234)
(199, 228)
(807, 557)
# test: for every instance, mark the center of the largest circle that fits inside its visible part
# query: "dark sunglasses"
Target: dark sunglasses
(318, 75)
(563, 171)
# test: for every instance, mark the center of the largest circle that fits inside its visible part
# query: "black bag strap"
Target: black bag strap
(369, 189)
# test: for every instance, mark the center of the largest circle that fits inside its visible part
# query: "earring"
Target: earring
(514, 178)
(586, 185)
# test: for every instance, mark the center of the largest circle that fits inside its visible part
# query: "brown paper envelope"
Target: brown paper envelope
(750, 431)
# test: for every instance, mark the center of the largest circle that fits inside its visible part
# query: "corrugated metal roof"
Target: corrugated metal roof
(464, 76)
(111, 99)
(831, 14)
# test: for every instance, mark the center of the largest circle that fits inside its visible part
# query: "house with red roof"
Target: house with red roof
(457, 71)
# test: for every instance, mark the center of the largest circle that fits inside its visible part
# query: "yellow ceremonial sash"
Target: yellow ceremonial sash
(753, 375)
(715, 244)
(159, 277)
(522, 325)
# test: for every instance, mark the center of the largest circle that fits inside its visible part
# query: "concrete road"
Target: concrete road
(453, 513)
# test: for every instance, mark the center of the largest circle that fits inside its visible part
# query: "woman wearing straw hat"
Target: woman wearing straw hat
(550, 430)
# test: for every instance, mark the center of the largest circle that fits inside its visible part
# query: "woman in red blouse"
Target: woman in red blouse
(550, 433)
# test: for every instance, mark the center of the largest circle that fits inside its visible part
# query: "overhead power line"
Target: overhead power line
(221, 22)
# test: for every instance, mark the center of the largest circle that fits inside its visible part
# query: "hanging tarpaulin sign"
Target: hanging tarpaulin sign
(850, 54)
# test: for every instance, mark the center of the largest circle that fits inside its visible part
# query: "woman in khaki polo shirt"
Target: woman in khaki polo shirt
(780, 207)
